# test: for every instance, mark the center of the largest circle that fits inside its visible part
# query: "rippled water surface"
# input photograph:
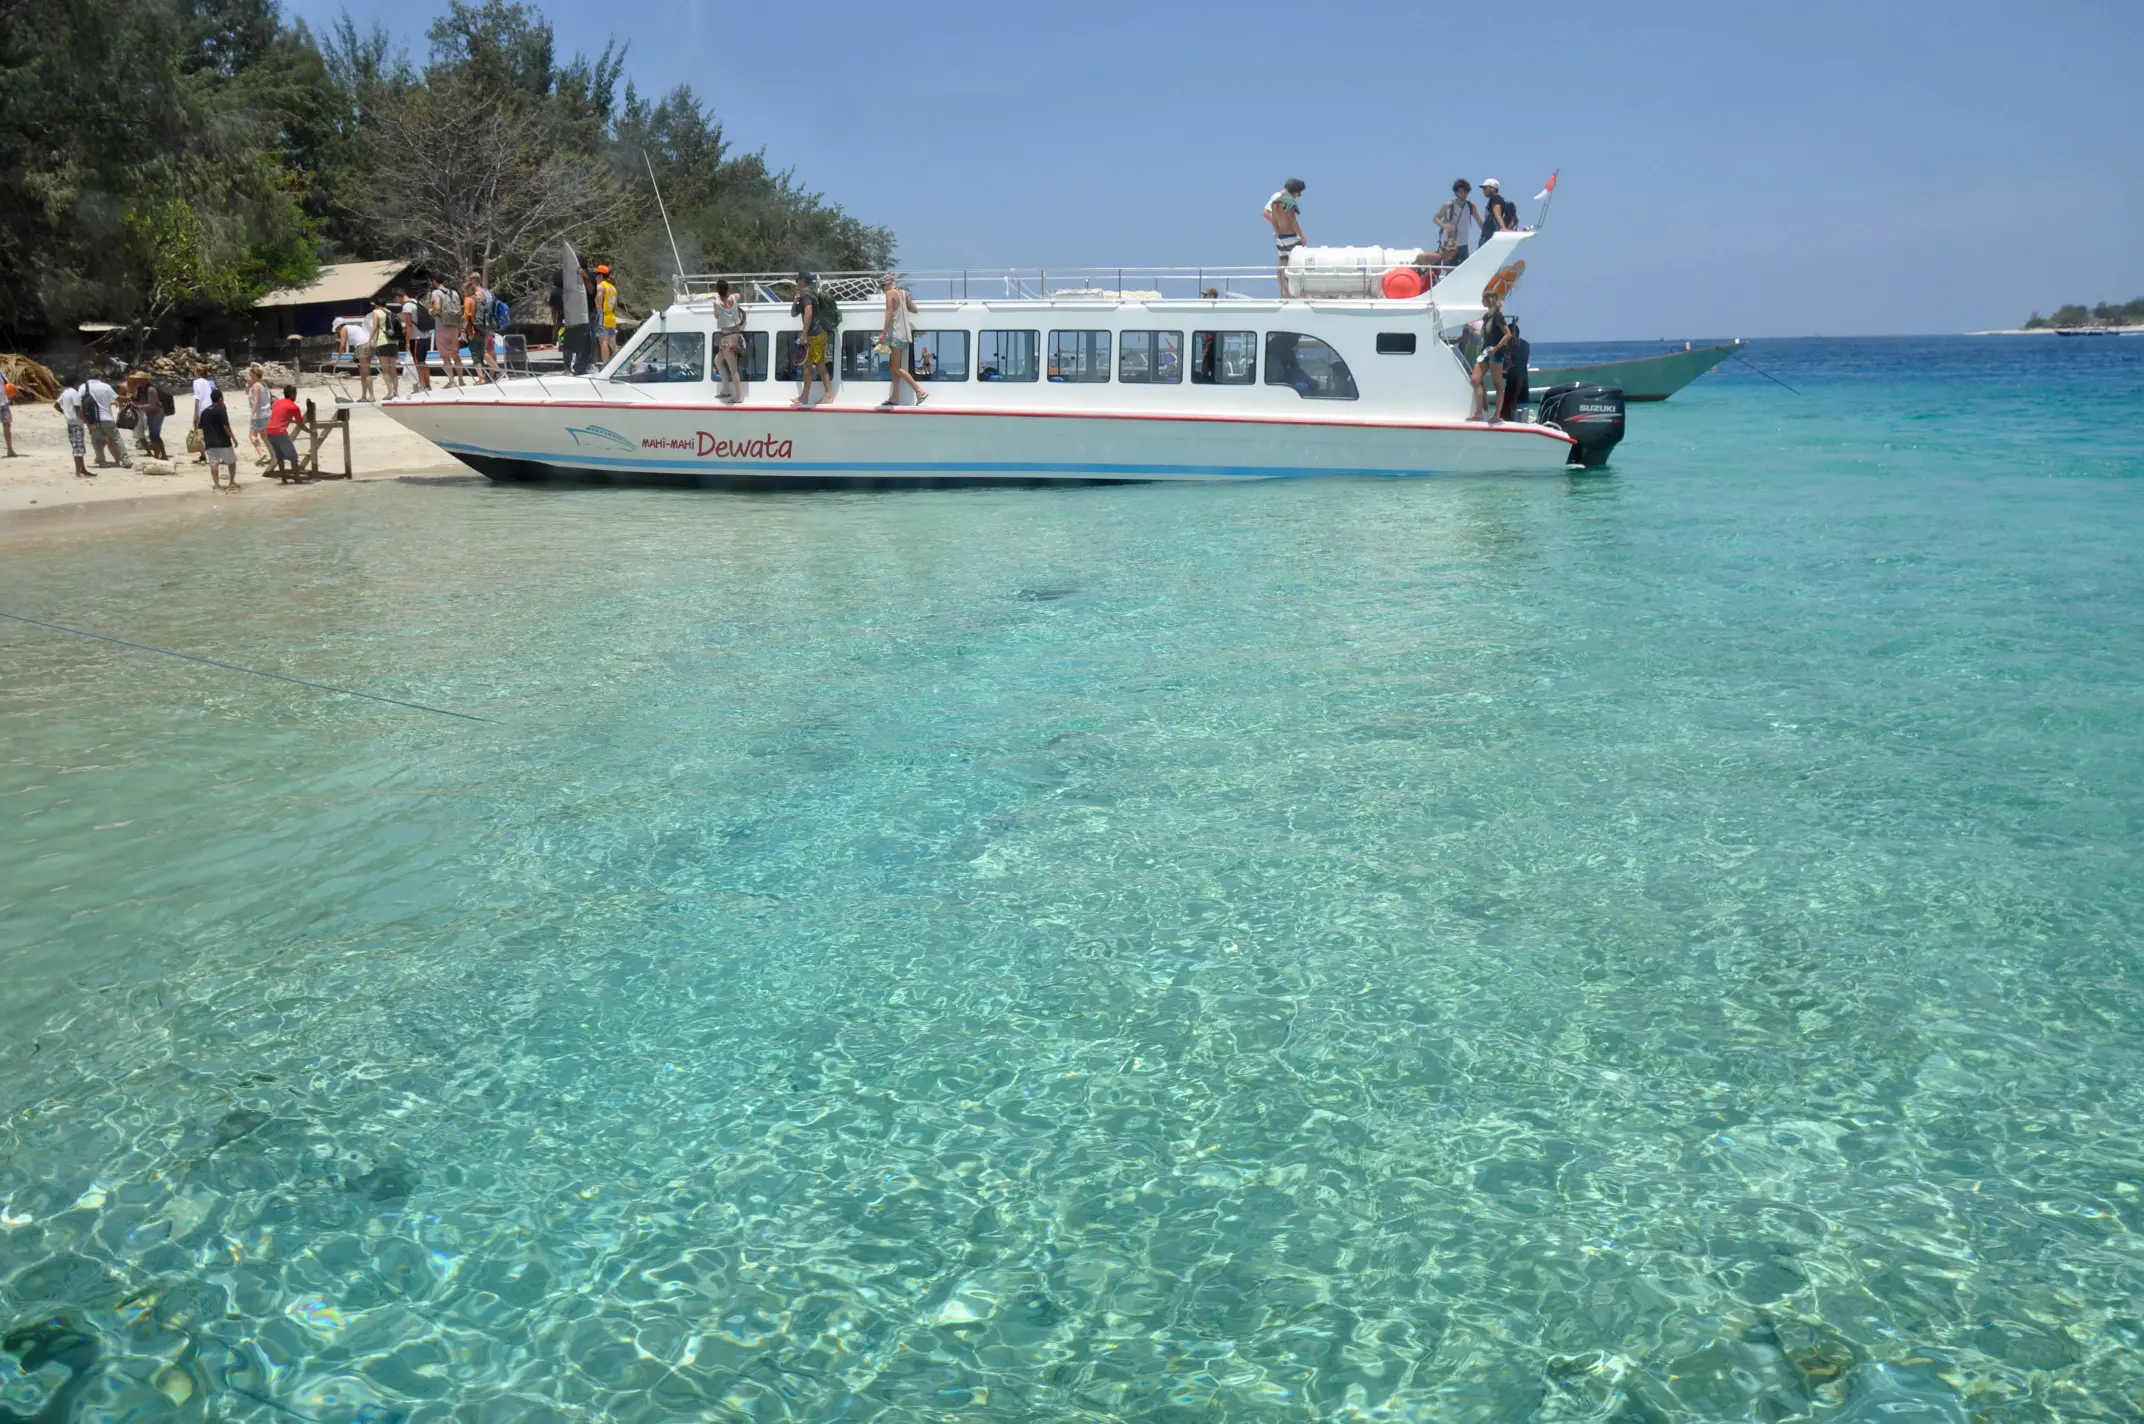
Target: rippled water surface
(1651, 946)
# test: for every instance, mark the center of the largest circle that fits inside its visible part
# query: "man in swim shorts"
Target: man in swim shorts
(1284, 213)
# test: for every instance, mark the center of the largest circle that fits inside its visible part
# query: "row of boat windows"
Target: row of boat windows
(1215, 358)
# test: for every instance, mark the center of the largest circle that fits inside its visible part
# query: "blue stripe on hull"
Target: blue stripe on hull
(774, 473)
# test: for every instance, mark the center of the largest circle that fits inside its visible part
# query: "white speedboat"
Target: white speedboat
(1028, 383)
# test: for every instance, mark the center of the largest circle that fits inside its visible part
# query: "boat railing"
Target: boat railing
(1063, 284)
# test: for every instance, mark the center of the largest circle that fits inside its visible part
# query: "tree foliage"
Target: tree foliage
(2129, 313)
(167, 159)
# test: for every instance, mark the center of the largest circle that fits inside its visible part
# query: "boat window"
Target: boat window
(859, 362)
(1079, 356)
(1311, 367)
(666, 356)
(1150, 357)
(1007, 355)
(940, 356)
(1224, 358)
(1395, 343)
(752, 361)
(787, 356)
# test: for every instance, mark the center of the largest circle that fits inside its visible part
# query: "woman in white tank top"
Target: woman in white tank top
(729, 342)
(898, 337)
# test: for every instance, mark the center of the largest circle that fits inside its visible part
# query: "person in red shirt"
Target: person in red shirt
(284, 420)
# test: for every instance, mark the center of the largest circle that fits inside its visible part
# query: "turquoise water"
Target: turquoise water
(1653, 945)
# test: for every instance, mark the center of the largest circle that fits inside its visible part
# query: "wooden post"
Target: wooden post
(342, 418)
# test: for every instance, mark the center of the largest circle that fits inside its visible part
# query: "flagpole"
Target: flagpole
(1546, 197)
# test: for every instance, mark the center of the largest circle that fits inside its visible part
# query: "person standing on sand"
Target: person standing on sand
(216, 443)
(284, 420)
(203, 389)
(1284, 214)
(69, 405)
(7, 416)
(898, 334)
(258, 399)
(148, 403)
(102, 404)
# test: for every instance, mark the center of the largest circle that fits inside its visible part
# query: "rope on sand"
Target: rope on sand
(234, 667)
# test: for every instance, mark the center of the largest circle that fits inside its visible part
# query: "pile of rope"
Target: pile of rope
(31, 381)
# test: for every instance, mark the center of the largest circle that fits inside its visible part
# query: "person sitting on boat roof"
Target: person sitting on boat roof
(1284, 212)
(1455, 225)
(1498, 213)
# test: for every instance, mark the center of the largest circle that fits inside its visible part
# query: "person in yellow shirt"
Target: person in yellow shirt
(606, 316)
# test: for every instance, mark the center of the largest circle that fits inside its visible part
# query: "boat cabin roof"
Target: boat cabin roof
(1348, 277)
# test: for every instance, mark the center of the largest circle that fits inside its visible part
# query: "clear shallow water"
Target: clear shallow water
(1658, 945)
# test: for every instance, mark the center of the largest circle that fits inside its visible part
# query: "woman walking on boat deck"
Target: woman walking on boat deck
(729, 342)
(1496, 334)
(897, 333)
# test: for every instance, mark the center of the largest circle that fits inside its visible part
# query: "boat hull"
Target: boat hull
(1645, 378)
(779, 447)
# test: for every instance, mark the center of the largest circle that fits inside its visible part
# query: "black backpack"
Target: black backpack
(424, 318)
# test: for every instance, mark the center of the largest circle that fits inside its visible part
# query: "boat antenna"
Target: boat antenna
(674, 254)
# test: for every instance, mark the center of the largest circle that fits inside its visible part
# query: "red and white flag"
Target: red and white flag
(1549, 188)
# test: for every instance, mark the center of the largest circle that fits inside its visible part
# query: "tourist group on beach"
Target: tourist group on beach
(96, 413)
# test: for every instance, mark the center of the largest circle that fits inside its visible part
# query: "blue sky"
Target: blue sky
(1728, 169)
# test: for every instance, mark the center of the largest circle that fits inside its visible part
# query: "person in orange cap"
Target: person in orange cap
(606, 316)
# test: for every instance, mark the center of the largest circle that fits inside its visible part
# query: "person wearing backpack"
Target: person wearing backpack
(476, 321)
(446, 306)
(821, 317)
(415, 322)
(387, 347)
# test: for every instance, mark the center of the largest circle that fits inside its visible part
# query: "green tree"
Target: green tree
(110, 111)
(731, 212)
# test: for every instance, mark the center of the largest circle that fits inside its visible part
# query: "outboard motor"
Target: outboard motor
(1591, 415)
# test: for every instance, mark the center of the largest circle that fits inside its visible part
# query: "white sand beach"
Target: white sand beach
(43, 479)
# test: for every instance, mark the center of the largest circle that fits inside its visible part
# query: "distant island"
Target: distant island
(2129, 313)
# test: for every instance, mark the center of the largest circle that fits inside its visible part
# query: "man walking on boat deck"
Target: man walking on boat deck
(815, 337)
(1498, 213)
(1284, 213)
(1455, 225)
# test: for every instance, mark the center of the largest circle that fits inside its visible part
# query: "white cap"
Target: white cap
(1490, 183)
